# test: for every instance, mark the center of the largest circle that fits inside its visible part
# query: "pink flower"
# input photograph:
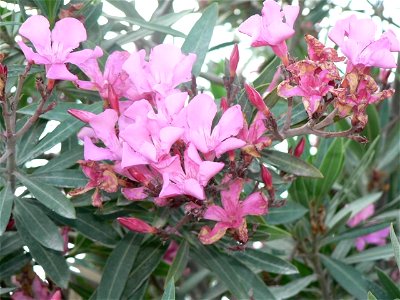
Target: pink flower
(159, 74)
(113, 83)
(232, 213)
(376, 238)
(254, 136)
(136, 225)
(40, 291)
(54, 49)
(200, 115)
(233, 61)
(270, 29)
(192, 179)
(356, 39)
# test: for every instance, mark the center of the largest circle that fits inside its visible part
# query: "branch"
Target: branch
(213, 78)
(327, 121)
(4, 157)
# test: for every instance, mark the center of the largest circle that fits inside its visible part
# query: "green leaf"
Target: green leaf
(6, 290)
(30, 139)
(149, 257)
(63, 131)
(299, 192)
(354, 233)
(13, 265)
(391, 288)
(91, 227)
(239, 279)
(290, 212)
(49, 196)
(9, 242)
(179, 263)
(52, 261)
(169, 293)
(293, 288)
(349, 278)
(6, 202)
(199, 37)
(269, 231)
(372, 254)
(155, 27)
(118, 266)
(395, 245)
(290, 164)
(65, 178)
(265, 262)
(267, 73)
(62, 162)
(39, 225)
(371, 296)
(354, 207)
(331, 168)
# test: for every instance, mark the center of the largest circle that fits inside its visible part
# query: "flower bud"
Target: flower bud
(224, 104)
(136, 225)
(298, 151)
(82, 115)
(256, 99)
(233, 61)
(266, 177)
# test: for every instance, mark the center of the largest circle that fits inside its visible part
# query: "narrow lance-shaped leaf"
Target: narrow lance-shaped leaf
(118, 266)
(395, 244)
(391, 288)
(199, 37)
(52, 261)
(179, 263)
(39, 225)
(290, 164)
(6, 202)
(169, 293)
(49, 196)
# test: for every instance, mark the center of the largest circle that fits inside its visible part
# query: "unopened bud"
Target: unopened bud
(82, 115)
(266, 177)
(298, 151)
(136, 225)
(256, 99)
(3, 80)
(233, 61)
(224, 104)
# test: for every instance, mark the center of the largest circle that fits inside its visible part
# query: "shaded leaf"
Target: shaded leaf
(6, 202)
(65, 178)
(13, 265)
(63, 161)
(169, 293)
(391, 288)
(395, 245)
(290, 212)
(376, 253)
(179, 263)
(9, 242)
(293, 288)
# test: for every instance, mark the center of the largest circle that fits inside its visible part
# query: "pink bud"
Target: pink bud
(136, 225)
(256, 99)
(298, 151)
(113, 99)
(266, 177)
(56, 295)
(224, 104)
(234, 60)
(82, 115)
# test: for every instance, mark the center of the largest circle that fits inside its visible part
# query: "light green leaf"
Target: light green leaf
(199, 37)
(49, 196)
(6, 290)
(62, 162)
(65, 178)
(371, 296)
(169, 293)
(395, 244)
(264, 261)
(6, 202)
(118, 266)
(179, 263)
(52, 261)
(290, 164)
(372, 254)
(290, 212)
(39, 225)
(293, 288)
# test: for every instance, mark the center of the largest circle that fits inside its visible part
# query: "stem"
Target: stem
(319, 271)
(327, 121)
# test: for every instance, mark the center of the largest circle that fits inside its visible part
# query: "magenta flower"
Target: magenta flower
(159, 74)
(254, 135)
(232, 213)
(269, 29)
(40, 291)
(356, 39)
(113, 83)
(192, 179)
(54, 49)
(200, 115)
(376, 238)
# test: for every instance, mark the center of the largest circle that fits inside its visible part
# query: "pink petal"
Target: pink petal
(32, 56)
(134, 194)
(215, 213)
(175, 102)
(92, 152)
(136, 225)
(227, 145)
(193, 188)
(286, 90)
(69, 32)
(131, 157)
(378, 54)
(230, 197)
(362, 215)
(169, 135)
(104, 126)
(60, 72)
(291, 12)
(208, 236)
(394, 41)
(169, 188)
(207, 170)
(256, 205)
(37, 29)
(252, 27)
(230, 123)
